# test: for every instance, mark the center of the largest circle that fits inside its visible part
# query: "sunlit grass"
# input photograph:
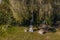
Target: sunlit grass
(17, 33)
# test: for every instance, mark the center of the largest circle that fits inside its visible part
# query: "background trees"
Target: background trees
(20, 11)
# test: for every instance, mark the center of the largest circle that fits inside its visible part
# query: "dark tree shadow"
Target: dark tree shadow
(36, 30)
(52, 30)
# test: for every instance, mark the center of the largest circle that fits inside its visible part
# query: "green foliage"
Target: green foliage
(20, 11)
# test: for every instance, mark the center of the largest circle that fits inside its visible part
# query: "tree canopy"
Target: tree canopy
(20, 11)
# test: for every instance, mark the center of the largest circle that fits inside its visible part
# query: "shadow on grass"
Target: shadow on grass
(36, 30)
(52, 30)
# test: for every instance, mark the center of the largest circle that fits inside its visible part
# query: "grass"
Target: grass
(17, 33)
